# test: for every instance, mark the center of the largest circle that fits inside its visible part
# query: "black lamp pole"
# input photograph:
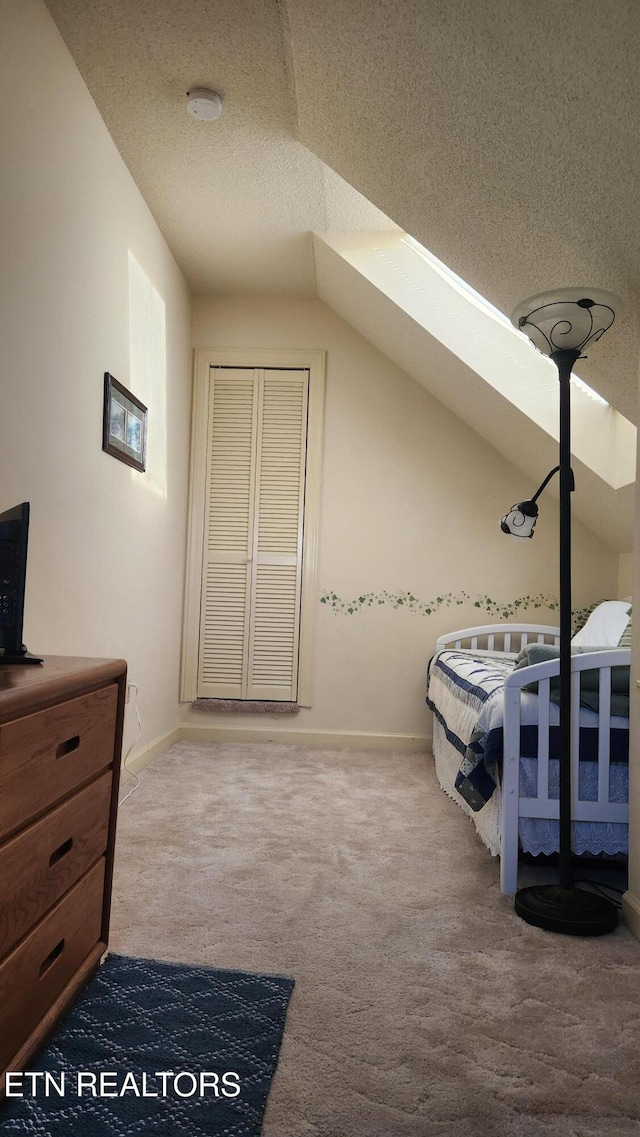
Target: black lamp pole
(564, 361)
(565, 907)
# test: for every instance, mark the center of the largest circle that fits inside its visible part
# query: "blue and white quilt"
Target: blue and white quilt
(465, 691)
(466, 694)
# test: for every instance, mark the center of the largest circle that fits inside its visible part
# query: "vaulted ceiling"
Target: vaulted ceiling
(502, 135)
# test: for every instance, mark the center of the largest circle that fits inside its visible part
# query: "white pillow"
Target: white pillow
(605, 625)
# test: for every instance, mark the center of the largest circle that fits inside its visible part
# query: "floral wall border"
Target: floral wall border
(503, 610)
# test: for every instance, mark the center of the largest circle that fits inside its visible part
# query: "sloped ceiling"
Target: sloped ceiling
(236, 199)
(501, 134)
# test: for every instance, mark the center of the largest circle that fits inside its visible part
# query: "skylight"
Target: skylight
(484, 339)
(487, 307)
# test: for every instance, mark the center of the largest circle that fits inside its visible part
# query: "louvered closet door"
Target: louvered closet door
(277, 560)
(252, 570)
(228, 533)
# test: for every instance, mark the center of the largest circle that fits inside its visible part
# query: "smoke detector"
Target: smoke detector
(203, 104)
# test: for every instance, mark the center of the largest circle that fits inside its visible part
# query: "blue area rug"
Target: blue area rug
(156, 1048)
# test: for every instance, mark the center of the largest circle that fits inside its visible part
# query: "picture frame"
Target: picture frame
(124, 424)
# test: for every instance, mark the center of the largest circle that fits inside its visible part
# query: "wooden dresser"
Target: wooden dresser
(60, 744)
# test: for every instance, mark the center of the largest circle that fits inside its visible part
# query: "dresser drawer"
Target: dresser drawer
(45, 756)
(41, 863)
(38, 969)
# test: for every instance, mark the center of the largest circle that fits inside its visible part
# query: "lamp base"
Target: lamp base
(571, 911)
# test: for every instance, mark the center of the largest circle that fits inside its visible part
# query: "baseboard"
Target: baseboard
(631, 913)
(142, 758)
(328, 739)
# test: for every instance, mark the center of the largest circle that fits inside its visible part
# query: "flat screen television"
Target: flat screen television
(14, 531)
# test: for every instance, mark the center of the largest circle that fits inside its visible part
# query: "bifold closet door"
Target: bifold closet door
(252, 568)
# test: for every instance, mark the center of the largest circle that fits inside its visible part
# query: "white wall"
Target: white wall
(106, 545)
(411, 499)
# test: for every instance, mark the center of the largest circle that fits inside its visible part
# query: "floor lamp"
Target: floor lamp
(561, 324)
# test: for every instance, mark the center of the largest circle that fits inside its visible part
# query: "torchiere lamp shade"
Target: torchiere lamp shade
(565, 319)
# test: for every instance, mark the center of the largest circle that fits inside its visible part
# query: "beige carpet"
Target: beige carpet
(422, 1005)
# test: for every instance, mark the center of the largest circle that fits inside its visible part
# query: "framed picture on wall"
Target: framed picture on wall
(124, 424)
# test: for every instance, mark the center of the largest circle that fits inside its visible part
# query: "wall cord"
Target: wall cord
(124, 763)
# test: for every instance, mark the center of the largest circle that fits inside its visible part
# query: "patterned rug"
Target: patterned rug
(156, 1048)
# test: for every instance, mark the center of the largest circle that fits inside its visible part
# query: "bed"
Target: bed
(495, 741)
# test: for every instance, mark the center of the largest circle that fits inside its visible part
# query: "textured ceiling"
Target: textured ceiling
(502, 135)
(236, 199)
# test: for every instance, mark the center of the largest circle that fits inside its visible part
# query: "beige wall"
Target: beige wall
(410, 501)
(106, 546)
(625, 575)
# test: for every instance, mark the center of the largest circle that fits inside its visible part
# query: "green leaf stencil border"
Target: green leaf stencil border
(503, 610)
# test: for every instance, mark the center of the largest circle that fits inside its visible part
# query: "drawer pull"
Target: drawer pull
(51, 958)
(60, 852)
(67, 747)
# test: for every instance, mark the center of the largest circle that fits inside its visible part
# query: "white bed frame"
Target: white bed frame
(512, 637)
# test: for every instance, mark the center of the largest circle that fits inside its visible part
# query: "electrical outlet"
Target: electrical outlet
(130, 687)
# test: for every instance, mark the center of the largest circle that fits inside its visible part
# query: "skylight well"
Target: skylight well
(486, 306)
(475, 331)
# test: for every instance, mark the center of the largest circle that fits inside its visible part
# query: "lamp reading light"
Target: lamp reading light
(521, 519)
